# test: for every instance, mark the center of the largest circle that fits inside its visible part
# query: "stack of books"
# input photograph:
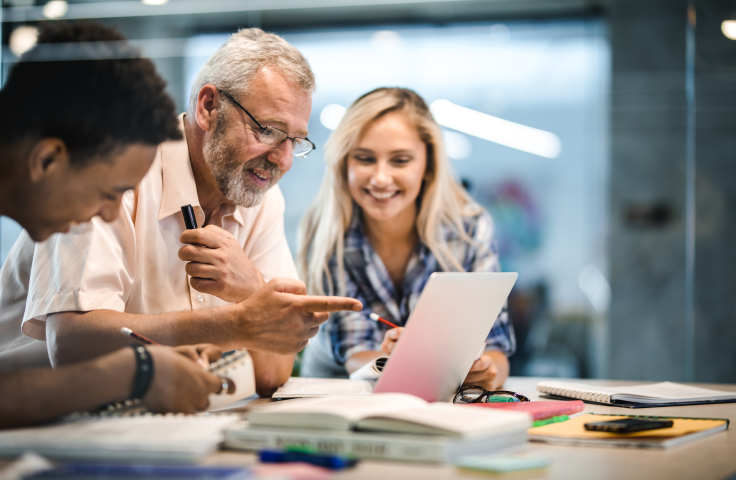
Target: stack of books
(386, 426)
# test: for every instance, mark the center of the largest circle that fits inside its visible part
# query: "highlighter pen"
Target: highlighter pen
(189, 219)
(374, 316)
(548, 421)
(138, 336)
(333, 462)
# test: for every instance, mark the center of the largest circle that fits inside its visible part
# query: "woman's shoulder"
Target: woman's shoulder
(477, 222)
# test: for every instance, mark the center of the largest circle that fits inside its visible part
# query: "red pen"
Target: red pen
(375, 317)
(138, 336)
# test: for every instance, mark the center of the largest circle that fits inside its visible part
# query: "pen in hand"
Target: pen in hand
(138, 336)
(374, 316)
(143, 339)
(189, 219)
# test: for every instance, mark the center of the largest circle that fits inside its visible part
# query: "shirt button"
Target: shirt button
(200, 298)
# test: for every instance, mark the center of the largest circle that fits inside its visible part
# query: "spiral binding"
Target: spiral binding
(574, 393)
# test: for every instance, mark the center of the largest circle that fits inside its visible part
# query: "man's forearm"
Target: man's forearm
(73, 336)
(35, 396)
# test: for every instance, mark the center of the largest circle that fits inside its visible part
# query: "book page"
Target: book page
(445, 418)
(312, 387)
(333, 412)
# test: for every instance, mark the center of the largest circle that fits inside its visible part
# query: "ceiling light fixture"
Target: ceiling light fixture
(728, 27)
(55, 9)
(331, 115)
(496, 130)
(23, 39)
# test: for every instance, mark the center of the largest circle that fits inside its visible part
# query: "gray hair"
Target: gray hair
(245, 54)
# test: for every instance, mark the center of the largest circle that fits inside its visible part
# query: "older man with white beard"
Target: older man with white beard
(247, 117)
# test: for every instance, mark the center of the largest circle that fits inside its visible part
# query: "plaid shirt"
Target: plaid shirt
(347, 333)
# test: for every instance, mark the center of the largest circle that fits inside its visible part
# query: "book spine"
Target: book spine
(378, 449)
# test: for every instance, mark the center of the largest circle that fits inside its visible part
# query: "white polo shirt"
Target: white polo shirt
(131, 265)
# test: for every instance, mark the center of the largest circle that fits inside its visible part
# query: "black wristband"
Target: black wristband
(143, 372)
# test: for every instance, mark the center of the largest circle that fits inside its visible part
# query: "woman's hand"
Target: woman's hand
(484, 373)
(390, 338)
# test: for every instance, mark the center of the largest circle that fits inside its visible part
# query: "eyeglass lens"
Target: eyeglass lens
(478, 395)
(274, 137)
(470, 395)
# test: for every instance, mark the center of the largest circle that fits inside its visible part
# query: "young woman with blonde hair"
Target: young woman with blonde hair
(389, 214)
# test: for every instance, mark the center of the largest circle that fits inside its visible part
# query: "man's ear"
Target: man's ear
(208, 103)
(47, 158)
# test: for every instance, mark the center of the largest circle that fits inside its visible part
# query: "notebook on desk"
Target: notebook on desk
(573, 432)
(153, 438)
(664, 394)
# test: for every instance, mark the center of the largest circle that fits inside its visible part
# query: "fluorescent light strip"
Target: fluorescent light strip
(496, 130)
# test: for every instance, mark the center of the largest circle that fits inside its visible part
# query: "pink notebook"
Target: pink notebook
(539, 410)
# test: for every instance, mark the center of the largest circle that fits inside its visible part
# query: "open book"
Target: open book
(652, 395)
(388, 412)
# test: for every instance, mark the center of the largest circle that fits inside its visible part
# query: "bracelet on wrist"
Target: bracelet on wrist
(143, 372)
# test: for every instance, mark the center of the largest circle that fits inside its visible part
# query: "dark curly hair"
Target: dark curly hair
(85, 84)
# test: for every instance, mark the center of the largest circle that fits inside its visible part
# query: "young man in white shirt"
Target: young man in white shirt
(58, 168)
(248, 113)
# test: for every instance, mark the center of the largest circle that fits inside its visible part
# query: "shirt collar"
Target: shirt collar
(179, 186)
(358, 248)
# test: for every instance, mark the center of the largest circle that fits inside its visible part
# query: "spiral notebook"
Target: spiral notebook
(664, 394)
(238, 367)
(154, 438)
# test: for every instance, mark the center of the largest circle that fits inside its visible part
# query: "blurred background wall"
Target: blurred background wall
(622, 227)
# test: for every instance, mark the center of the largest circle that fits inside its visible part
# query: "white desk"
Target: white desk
(713, 457)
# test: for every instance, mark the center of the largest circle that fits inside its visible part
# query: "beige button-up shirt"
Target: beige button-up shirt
(132, 264)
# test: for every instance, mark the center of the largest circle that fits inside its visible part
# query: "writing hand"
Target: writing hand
(281, 318)
(217, 264)
(202, 353)
(179, 384)
(390, 338)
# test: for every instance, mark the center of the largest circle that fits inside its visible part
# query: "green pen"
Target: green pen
(547, 421)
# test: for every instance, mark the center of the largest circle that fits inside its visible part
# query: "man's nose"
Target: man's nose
(281, 156)
(109, 210)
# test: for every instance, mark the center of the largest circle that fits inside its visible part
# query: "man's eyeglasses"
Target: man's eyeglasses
(273, 137)
(475, 394)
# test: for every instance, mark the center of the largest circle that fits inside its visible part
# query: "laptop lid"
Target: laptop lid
(451, 320)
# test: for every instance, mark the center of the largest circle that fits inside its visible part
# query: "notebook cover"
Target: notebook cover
(539, 410)
(573, 432)
(621, 404)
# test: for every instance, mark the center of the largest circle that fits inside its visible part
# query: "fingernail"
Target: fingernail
(205, 366)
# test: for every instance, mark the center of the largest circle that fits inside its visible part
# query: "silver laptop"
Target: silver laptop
(451, 321)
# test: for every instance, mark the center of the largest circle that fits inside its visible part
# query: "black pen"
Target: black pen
(189, 219)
